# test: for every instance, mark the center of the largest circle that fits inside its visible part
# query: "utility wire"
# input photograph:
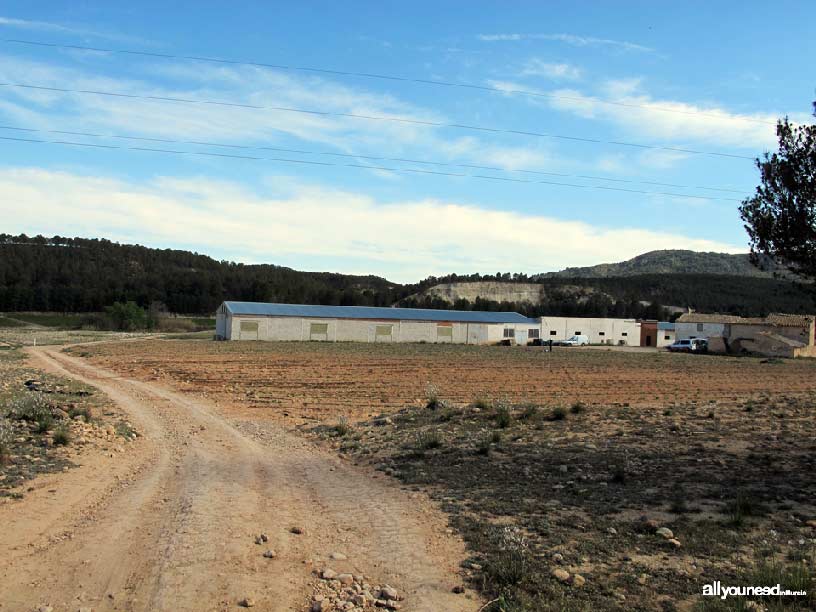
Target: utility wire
(388, 77)
(359, 166)
(369, 118)
(360, 156)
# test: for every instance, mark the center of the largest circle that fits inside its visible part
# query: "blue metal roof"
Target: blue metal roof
(372, 312)
(663, 325)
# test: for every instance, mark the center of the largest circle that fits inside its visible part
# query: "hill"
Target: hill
(673, 262)
(640, 296)
(85, 275)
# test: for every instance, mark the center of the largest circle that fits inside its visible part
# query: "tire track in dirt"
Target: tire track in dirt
(170, 526)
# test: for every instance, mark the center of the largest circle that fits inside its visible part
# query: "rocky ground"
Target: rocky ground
(597, 507)
(48, 422)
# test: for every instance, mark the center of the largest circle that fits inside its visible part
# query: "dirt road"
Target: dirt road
(171, 524)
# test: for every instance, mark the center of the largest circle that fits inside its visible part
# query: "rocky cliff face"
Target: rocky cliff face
(487, 290)
(508, 292)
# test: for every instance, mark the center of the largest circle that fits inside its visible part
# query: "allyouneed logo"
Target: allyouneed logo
(716, 589)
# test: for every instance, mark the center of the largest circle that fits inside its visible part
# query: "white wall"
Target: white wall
(599, 331)
(684, 331)
(662, 339)
(360, 330)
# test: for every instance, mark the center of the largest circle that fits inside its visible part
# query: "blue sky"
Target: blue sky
(706, 77)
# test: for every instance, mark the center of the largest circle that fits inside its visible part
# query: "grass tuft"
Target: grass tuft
(502, 414)
(558, 413)
(62, 437)
(342, 428)
(428, 439)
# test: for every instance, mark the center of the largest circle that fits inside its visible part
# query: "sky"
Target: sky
(403, 139)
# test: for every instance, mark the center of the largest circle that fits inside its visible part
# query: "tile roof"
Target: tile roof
(776, 319)
(373, 312)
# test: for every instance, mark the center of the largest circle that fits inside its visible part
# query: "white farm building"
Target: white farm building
(259, 321)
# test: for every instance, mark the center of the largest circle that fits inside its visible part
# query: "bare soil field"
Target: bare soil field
(580, 480)
(316, 380)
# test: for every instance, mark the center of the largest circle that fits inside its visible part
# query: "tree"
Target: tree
(127, 316)
(781, 217)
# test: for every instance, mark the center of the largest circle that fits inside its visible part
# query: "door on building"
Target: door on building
(648, 340)
(521, 337)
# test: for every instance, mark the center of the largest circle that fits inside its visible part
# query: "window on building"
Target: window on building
(601, 333)
(532, 333)
(444, 332)
(699, 327)
(318, 331)
(667, 337)
(576, 333)
(383, 330)
(553, 332)
(509, 332)
(624, 333)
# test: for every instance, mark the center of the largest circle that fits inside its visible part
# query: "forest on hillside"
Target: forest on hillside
(61, 274)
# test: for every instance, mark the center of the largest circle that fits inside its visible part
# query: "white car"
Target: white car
(693, 345)
(575, 341)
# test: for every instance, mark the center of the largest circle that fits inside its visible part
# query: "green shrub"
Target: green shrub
(577, 408)
(502, 414)
(84, 411)
(44, 422)
(428, 439)
(558, 414)
(127, 316)
(740, 508)
(529, 413)
(124, 429)
(6, 436)
(510, 563)
(481, 403)
(62, 436)
(619, 472)
(32, 407)
(342, 427)
(432, 400)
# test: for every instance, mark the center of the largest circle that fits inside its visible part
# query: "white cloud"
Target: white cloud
(570, 39)
(538, 67)
(404, 240)
(669, 120)
(624, 103)
(49, 110)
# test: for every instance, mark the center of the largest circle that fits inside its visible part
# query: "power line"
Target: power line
(367, 118)
(388, 77)
(360, 156)
(359, 166)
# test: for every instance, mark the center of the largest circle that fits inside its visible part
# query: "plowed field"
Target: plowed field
(323, 380)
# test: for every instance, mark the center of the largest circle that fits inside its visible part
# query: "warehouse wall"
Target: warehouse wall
(599, 331)
(358, 330)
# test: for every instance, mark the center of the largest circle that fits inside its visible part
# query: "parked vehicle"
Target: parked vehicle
(575, 341)
(693, 345)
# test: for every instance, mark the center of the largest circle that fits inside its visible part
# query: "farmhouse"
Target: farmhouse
(259, 321)
(778, 335)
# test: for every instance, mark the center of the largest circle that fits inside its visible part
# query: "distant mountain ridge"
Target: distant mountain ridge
(673, 262)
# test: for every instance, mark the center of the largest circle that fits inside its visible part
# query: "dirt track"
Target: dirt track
(171, 524)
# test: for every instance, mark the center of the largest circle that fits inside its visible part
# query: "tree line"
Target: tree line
(61, 274)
